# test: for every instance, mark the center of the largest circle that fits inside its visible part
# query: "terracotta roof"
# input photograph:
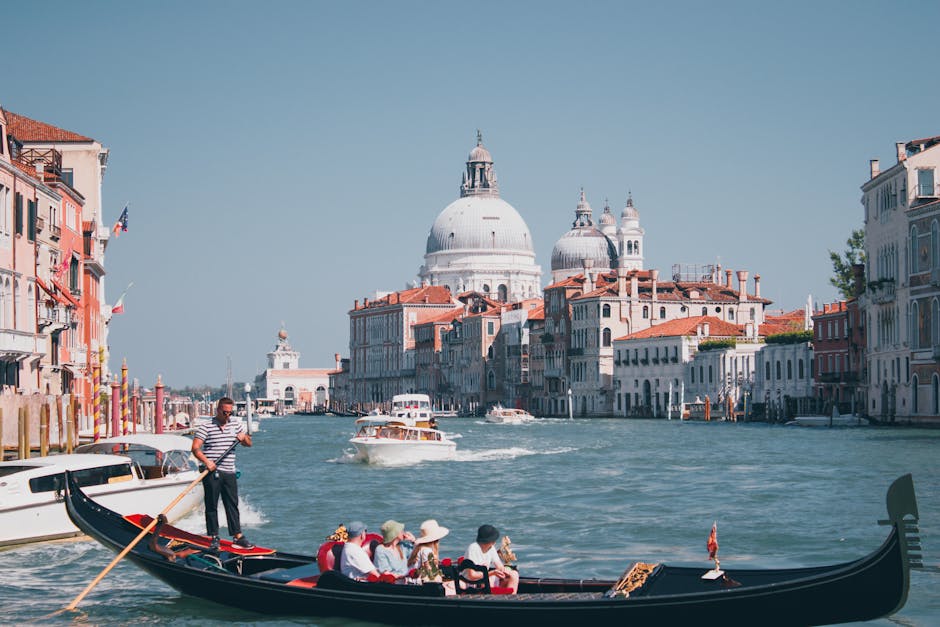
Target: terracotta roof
(447, 316)
(669, 291)
(301, 372)
(29, 130)
(538, 313)
(429, 295)
(688, 326)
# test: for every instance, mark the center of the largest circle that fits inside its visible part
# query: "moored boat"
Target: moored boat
(507, 415)
(835, 420)
(133, 473)
(273, 582)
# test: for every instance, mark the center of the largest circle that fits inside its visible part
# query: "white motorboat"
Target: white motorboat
(507, 416)
(835, 420)
(408, 433)
(149, 473)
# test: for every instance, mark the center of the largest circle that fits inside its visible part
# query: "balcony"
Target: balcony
(655, 360)
(55, 231)
(645, 362)
(40, 224)
(882, 291)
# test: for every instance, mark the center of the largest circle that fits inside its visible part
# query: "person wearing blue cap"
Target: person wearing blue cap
(354, 561)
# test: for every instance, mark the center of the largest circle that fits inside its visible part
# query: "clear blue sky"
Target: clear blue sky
(285, 158)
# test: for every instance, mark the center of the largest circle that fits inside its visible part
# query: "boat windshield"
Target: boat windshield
(411, 404)
(153, 463)
(84, 477)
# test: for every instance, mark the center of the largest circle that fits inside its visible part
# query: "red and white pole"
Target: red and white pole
(158, 409)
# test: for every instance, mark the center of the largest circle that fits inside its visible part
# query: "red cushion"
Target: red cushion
(326, 558)
(500, 590)
(304, 582)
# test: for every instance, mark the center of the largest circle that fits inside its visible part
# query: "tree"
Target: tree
(842, 276)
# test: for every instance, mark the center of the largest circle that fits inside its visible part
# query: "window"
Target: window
(646, 312)
(925, 185)
(606, 337)
(913, 251)
(778, 370)
(489, 327)
(789, 369)
(31, 220)
(68, 177)
(799, 368)
(704, 311)
(18, 213)
(731, 314)
(606, 311)
(662, 313)
(767, 371)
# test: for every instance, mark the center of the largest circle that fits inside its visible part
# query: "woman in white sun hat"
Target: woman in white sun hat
(427, 543)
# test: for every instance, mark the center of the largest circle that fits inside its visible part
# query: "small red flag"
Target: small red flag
(712, 544)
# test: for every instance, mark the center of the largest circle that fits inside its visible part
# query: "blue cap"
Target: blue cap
(356, 528)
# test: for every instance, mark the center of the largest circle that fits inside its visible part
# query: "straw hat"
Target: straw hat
(431, 532)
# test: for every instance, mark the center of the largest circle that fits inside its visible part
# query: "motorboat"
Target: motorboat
(408, 433)
(835, 420)
(145, 475)
(268, 581)
(507, 415)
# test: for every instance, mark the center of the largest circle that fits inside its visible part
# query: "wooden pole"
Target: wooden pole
(158, 409)
(44, 430)
(23, 439)
(70, 428)
(96, 397)
(60, 423)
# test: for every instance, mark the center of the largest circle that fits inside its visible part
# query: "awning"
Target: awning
(49, 291)
(65, 294)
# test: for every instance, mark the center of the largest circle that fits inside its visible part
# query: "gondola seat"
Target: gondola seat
(334, 580)
(329, 553)
(464, 585)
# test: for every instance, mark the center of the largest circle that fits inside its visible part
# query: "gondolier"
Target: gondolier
(211, 440)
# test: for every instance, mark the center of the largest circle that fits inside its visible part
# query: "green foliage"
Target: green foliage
(713, 345)
(842, 278)
(790, 337)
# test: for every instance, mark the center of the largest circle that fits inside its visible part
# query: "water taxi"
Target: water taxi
(408, 433)
(507, 416)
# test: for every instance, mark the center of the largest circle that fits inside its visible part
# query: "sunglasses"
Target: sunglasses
(226, 413)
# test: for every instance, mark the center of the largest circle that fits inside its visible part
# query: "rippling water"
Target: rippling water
(581, 498)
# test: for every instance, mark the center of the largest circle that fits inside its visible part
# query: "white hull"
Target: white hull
(847, 420)
(502, 416)
(386, 451)
(45, 517)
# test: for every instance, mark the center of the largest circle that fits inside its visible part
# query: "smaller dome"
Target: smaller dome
(479, 153)
(607, 218)
(583, 243)
(629, 212)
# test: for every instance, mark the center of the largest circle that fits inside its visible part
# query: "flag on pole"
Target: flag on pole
(121, 224)
(118, 306)
(64, 264)
(712, 544)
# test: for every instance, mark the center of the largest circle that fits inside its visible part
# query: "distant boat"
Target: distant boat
(507, 416)
(836, 420)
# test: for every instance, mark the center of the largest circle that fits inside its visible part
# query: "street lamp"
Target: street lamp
(570, 406)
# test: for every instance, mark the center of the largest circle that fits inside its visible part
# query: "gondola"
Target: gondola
(273, 582)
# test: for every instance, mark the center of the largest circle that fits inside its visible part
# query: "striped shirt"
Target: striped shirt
(216, 440)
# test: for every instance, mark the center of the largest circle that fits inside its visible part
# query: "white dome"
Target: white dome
(479, 223)
(583, 243)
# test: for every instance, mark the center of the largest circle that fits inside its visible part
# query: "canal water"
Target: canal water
(581, 498)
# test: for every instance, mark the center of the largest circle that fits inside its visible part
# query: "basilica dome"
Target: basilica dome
(479, 241)
(583, 242)
(479, 222)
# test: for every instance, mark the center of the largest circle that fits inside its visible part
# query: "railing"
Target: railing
(575, 351)
(55, 231)
(883, 292)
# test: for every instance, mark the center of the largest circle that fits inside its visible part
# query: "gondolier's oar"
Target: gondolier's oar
(145, 531)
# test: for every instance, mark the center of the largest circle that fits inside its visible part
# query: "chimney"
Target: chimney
(588, 265)
(875, 168)
(634, 287)
(654, 274)
(756, 286)
(365, 302)
(727, 278)
(742, 286)
(356, 304)
(858, 279)
(621, 281)
(902, 152)
(337, 358)
(717, 278)
(40, 168)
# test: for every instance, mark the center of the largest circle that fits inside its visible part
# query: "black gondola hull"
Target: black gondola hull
(868, 588)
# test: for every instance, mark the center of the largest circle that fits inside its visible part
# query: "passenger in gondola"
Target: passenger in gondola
(483, 553)
(354, 561)
(427, 545)
(392, 555)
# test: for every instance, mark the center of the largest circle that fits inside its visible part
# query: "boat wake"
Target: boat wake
(507, 453)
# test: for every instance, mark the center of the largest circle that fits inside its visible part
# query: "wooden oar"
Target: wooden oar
(144, 532)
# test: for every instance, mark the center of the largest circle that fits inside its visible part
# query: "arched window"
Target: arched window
(767, 371)
(491, 380)
(486, 288)
(914, 403)
(915, 325)
(799, 368)
(936, 395)
(914, 252)
(646, 312)
(662, 313)
(789, 369)
(704, 311)
(731, 314)
(503, 293)
(636, 247)
(630, 248)
(778, 370)
(934, 244)
(606, 311)
(693, 373)
(606, 337)
(711, 374)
